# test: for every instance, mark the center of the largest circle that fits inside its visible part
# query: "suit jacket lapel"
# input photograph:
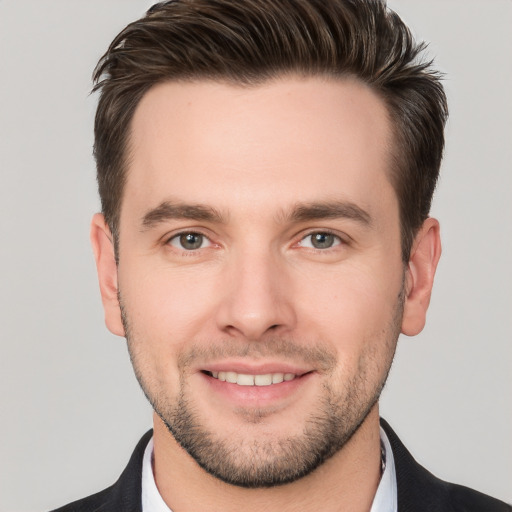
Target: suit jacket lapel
(418, 490)
(126, 493)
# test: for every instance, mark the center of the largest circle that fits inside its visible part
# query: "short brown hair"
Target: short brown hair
(250, 41)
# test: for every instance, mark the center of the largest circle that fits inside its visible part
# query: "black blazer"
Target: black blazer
(418, 490)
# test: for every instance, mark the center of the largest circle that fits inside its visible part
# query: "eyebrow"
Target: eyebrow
(301, 212)
(329, 210)
(169, 210)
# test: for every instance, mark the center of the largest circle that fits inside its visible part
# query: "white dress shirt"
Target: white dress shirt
(151, 499)
(385, 499)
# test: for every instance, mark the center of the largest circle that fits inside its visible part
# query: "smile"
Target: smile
(244, 379)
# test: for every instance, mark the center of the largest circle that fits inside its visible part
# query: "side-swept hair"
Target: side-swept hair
(248, 42)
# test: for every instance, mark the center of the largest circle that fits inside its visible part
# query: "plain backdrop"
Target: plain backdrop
(71, 411)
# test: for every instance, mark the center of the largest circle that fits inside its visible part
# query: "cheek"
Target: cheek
(166, 306)
(356, 308)
(160, 318)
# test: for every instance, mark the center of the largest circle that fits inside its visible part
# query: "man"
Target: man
(266, 170)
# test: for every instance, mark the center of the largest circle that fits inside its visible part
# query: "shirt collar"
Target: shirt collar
(386, 496)
(152, 501)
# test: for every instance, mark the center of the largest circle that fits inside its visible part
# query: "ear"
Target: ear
(425, 254)
(103, 247)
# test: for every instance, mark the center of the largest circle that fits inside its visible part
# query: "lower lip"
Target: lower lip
(256, 396)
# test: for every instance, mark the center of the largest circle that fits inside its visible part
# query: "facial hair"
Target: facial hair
(267, 461)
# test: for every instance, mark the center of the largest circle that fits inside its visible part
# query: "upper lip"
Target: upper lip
(260, 368)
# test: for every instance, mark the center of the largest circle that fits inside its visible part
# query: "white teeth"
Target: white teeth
(277, 378)
(263, 380)
(243, 379)
(231, 377)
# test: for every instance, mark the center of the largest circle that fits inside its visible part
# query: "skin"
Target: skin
(257, 295)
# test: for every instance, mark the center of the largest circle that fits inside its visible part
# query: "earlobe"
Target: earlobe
(104, 254)
(425, 254)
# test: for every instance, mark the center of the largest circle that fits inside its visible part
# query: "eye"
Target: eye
(189, 241)
(320, 240)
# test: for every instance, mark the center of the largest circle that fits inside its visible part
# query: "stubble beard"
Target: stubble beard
(264, 461)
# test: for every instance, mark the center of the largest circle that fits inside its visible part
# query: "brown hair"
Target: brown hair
(250, 41)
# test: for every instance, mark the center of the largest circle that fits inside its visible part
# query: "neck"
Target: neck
(347, 481)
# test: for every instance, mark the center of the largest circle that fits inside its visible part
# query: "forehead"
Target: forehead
(293, 139)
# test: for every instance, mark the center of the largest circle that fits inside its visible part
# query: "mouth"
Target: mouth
(245, 386)
(247, 379)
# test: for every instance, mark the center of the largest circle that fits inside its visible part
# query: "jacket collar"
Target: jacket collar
(418, 490)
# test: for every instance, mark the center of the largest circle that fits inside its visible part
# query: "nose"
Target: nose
(256, 297)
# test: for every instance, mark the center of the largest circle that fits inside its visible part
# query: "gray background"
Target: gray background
(71, 410)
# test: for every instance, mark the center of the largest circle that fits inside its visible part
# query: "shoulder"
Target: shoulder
(464, 499)
(124, 495)
(95, 502)
(419, 490)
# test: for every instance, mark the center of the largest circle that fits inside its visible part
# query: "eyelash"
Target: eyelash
(181, 234)
(338, 240)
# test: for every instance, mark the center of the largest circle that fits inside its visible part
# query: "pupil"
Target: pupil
(191, 241)
(322, 240)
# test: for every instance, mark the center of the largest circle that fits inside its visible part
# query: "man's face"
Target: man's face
(260, 271)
